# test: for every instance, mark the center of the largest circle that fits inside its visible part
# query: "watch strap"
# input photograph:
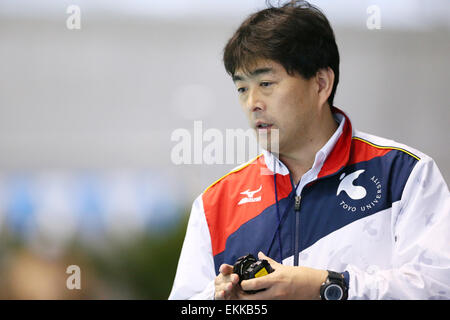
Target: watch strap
(337, 279)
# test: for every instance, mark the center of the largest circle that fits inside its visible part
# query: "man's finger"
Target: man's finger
(272, 262)
(226, 269)
(257, 283)
(234, 278)
(220, 295)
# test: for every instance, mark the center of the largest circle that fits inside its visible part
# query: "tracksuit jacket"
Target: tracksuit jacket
(373, 208)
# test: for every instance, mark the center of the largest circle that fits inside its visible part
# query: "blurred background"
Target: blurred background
(87, 114)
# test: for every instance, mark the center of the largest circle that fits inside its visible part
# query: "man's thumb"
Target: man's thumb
(272, 262)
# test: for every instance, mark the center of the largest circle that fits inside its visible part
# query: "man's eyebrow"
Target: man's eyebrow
(254, 73)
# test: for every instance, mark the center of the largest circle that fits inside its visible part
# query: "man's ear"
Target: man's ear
(325, 81)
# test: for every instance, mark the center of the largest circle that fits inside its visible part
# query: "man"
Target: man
(341, 214)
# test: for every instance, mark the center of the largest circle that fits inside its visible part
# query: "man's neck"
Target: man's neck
(300, 160)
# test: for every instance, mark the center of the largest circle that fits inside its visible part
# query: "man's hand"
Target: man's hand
(226, 284)
(286, 282)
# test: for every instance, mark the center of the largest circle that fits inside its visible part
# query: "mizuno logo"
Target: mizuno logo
(354, 192)
(250, 195)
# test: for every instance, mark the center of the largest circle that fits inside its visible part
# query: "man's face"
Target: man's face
(273, 99)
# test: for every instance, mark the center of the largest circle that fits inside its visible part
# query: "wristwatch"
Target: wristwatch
(334, 287)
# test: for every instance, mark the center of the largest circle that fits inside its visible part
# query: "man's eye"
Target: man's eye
(265, 84)
(241, 90)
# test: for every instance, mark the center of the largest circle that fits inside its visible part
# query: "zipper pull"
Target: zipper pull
(297, 203)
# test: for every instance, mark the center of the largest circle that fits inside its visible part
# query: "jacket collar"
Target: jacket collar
(330, 158)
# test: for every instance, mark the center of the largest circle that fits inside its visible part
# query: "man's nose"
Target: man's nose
(255, 101)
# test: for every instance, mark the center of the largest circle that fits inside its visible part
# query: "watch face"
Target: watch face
(333, 292)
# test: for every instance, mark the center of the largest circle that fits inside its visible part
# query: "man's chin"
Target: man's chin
(270, 146)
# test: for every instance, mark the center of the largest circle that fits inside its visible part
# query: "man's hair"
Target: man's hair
(297, 35)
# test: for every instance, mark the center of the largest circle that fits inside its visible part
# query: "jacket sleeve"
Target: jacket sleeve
(195, 274)
(421, 253)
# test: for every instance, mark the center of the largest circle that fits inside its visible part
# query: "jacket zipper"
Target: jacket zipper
(297, 226)
(297, 213)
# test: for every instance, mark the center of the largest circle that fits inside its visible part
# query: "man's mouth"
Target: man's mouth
(263, 125)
